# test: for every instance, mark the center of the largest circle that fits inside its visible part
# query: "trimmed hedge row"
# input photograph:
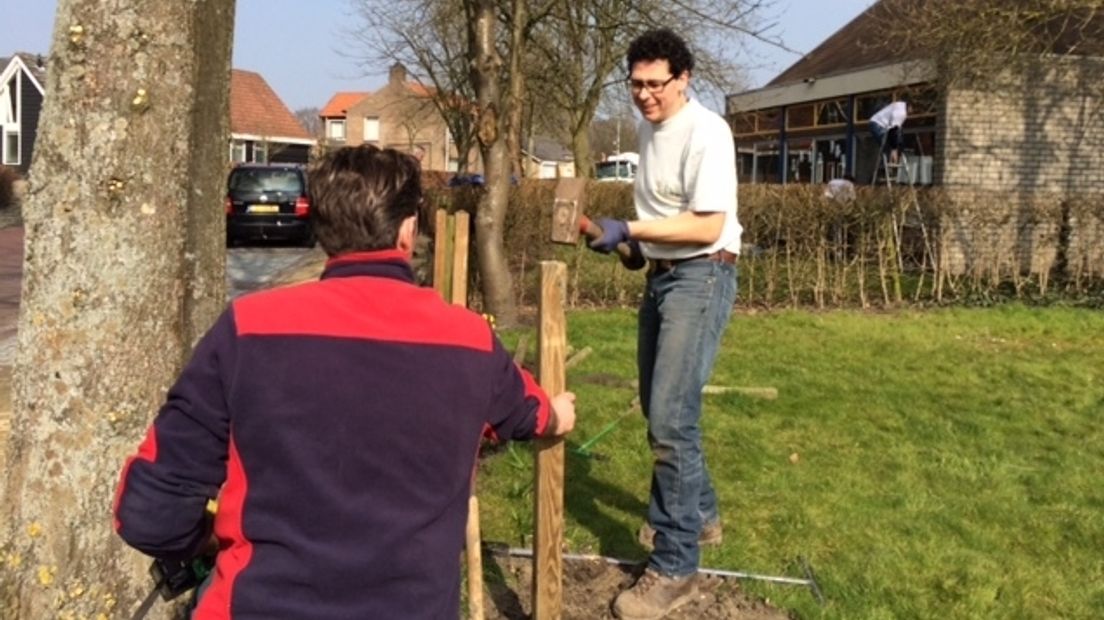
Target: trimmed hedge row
(882, 249)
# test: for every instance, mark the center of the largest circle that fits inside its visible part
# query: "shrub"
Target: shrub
(8, 177)
(801, 249)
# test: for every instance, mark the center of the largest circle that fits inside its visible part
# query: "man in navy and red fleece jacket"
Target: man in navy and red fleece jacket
(337, 423)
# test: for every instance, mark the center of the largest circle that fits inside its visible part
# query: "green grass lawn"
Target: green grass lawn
(948, 463)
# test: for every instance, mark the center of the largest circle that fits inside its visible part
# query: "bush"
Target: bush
(8, 177)
(801, 249)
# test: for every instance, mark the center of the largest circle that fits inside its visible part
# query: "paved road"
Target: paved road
(247, 268)
(11, 277)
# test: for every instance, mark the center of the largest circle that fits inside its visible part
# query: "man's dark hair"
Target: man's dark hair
(361, 195)
(661, 44)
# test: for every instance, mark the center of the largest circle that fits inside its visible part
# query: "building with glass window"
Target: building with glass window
(1020, 157)
(810, 124)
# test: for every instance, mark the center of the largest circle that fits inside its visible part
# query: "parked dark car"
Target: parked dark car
(268, 201)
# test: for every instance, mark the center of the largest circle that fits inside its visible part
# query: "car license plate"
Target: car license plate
(264, 209)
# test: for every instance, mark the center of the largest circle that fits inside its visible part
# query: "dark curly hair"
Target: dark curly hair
(661, 44)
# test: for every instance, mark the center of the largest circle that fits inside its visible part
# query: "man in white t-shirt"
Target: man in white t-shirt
(887, 123)
(686, 226)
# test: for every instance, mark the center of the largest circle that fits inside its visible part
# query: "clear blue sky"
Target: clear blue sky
(296, 45)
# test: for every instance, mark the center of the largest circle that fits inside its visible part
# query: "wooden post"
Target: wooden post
(440, 254)
(548, 495)
(475, 559)
(459, 293)
(450, 280)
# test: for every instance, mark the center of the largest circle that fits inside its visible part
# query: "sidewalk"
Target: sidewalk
(11, 276)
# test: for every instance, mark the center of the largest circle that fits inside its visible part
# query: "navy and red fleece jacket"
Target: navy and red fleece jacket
(338, 423)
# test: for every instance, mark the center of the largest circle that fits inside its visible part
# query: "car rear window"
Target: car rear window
(261, 180)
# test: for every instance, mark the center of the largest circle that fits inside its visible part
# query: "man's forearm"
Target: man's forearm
(684, 228)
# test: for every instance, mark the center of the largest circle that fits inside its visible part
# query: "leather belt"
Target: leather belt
(663, 265)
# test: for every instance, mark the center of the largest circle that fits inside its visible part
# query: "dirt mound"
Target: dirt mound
(590, 586)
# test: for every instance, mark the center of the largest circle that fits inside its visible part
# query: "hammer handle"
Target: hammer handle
(630, 259)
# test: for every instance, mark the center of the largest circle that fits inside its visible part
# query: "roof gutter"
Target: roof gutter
(836, 85)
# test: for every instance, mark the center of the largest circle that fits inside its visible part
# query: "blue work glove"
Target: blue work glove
(613, 232)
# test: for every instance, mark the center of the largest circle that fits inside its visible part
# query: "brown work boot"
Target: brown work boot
(711, 534)
(654, 596)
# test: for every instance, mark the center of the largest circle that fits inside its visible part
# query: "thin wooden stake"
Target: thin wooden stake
(475, 561)
(459, 294)
(548, 495)
(440, 254)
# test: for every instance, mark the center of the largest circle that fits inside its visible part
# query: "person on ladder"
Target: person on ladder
(886, 126)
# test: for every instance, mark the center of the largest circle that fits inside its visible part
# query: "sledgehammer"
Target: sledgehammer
(568, 221)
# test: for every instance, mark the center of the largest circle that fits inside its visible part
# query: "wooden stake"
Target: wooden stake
(440, 254)
(460, 259)
(475, 561)
(766, 393)
(578, 357)
(548, 496)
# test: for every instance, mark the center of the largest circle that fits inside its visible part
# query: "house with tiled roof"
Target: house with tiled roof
(262, 128)
(22, 90)
(335, 115)
(400, 115)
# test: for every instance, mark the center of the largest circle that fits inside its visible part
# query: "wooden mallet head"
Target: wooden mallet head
(567, 209)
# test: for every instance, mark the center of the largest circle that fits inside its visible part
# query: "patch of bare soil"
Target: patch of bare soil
(590, 586)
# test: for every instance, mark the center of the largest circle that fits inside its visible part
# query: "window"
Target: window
(7, 105)
(11, 147)
(260, 152)
(237, 151)
(335, 129)
(800, 116)
(832, 112)
(868, 105)
(371, 129)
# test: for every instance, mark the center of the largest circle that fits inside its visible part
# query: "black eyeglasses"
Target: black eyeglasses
(654, 86)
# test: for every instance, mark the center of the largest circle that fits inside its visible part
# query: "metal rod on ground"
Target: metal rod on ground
(584, 449)
(714, 572)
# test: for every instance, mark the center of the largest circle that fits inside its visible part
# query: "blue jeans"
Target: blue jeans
(682, 318)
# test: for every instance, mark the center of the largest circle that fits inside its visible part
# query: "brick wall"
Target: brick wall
(1023, 159)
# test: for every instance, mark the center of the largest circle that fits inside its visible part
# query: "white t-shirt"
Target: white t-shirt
(893, 115)
(687, 163)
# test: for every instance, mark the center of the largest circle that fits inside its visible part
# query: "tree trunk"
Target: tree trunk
(494, 271)
(580, 147)
(124, 270)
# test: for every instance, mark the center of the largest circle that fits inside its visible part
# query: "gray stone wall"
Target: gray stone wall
(1023, 159)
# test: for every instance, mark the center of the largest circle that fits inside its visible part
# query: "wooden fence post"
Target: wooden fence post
(549, 485)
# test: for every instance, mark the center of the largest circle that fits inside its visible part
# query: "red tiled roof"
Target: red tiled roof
(255, 109)
(339, 104)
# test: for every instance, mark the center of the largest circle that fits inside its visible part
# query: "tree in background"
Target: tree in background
(124, 271)
(310, 120)
(578, 53)
(423, 36)
(974, 42)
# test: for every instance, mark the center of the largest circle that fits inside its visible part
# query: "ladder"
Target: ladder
(888, 171)
(891, 173)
